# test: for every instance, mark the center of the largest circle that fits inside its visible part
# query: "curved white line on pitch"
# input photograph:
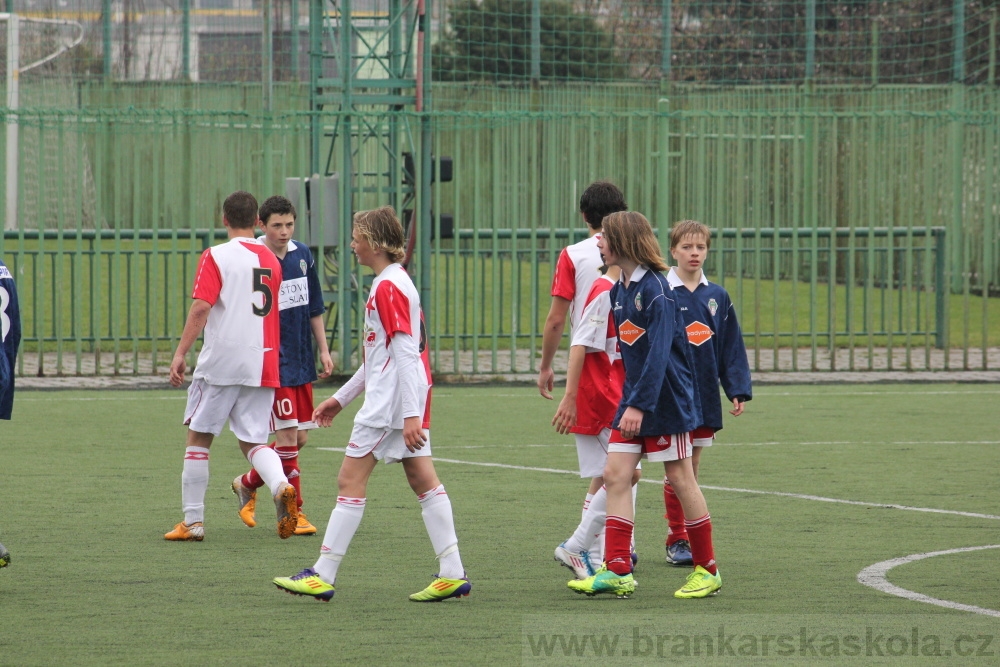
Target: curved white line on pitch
(659, 481)
(874, 576)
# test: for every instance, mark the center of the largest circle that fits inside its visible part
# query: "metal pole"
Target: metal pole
(958, 59)
(536, 41)
(810, 39)
(663, 107)
(13, 95)
(106, 36)
(424, 221)
(186, 40)
(293, 26)
(666, 29)
(315, 72)
(267, 64)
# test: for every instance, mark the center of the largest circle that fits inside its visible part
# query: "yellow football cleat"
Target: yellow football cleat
(303, 527)
(306, 582)
(700, 584)
(182, 532)
(442, 589)
(605, 581)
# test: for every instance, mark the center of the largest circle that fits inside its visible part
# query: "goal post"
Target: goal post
(14, 70)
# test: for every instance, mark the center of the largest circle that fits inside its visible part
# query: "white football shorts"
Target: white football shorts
(248, 410)
(384, 444)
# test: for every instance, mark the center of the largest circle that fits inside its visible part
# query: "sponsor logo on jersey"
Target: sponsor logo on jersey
(369, 338)
(629, 333)
(698, 333)
(638, 301)
(293, 292)
(618, 306)
(302, 265)
(713, 307)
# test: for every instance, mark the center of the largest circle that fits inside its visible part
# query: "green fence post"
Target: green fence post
(942, 287)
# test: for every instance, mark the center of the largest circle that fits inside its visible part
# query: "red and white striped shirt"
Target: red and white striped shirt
(240, 279)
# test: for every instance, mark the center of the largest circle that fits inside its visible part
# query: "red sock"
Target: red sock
(617, 545)
(702, 551)
(290, 466)
(674, 516)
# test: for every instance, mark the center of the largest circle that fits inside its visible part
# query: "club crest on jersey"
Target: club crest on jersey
(638, 301)
(629, 333)
(698, 333)
(302, 265)
(713, 307)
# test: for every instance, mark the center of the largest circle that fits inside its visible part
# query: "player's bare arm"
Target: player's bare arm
(565, 417)
(552, 333)
(319, 334)
(413, 433)
(193, 326)
(326, 411)
(631, 422)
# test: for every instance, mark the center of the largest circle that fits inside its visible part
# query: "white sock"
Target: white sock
(344, 521)
(635, 492)
(440, 523)
(267, 463)
(586, 504)
(590, 528)
(194, 484)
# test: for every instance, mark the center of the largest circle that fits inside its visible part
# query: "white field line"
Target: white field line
(659, 481)
(874, 576)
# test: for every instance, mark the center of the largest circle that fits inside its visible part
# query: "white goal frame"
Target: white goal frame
(14, 71)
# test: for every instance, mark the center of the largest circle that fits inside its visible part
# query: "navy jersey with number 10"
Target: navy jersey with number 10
(299, 300)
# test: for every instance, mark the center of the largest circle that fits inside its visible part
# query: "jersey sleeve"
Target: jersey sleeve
(592, 331)
(564, 280)
(316, 303)
(352, 388)
(734, 367)
(207, 279)
(393, 310)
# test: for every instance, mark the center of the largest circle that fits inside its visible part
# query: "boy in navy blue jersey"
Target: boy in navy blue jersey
(300, 311)
(659, 408)
(714, 335)
(10, 338)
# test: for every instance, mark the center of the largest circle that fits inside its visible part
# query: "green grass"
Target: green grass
(91, 482)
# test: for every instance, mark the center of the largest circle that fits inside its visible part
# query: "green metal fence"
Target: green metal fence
(859, 227)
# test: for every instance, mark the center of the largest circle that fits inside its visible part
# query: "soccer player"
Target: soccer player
(10, 339)
(235, 302)
(300, 308)
(390, 426)
(594, 378)
(719, 356)
(579, 265)
(659, 408)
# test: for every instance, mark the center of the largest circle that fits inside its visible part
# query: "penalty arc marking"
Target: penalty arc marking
(874, 576)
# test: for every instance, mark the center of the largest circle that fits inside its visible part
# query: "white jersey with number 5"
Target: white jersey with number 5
(240, 279)
(396, 374)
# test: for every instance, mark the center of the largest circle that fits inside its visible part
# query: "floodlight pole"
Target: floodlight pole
(13, 95)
